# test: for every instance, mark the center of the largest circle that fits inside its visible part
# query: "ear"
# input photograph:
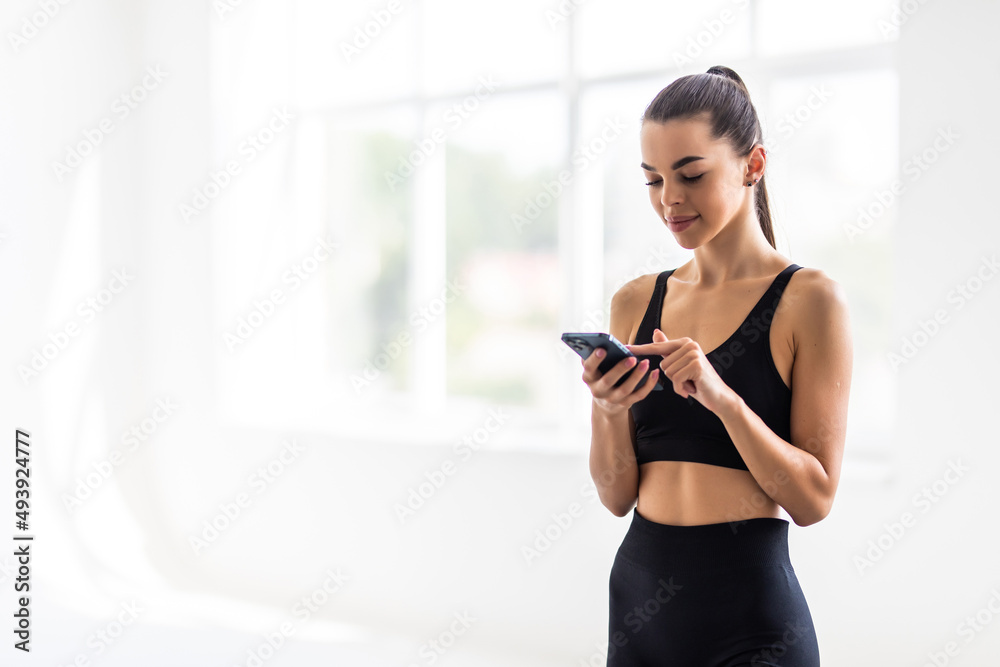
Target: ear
(755, 163)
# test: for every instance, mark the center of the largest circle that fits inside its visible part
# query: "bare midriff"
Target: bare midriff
(685, 493)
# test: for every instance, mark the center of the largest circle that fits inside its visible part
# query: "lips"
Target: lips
(680, 223)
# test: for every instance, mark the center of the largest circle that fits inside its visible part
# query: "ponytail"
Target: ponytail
(720, 93)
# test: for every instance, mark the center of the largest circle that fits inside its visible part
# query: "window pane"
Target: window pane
(512, 41)
(501, 328)
(645, 35)
(312, 257)
(790, 26)
(370, 208)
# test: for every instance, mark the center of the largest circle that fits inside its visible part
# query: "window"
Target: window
(485, 195)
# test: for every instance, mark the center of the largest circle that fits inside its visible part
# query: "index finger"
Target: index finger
(593, 361)
(664, 348)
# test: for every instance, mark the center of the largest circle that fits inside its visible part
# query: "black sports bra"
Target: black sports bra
(671, 428)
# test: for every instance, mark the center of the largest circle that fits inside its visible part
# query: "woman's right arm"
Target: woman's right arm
(613, 466)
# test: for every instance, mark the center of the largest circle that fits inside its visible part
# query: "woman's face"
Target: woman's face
(691, 174)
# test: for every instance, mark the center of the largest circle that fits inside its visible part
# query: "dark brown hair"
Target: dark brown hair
(720, 94)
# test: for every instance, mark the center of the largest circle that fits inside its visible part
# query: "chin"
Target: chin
(687, 242)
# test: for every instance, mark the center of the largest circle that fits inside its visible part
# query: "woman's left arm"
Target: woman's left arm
(802, 475)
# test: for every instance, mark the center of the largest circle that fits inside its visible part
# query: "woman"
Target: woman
(703, 577)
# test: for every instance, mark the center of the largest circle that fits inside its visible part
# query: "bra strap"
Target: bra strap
(653, 309)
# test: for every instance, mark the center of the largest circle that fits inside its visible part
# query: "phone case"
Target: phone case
(584, 344)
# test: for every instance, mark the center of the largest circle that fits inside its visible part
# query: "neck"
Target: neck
(737, 252)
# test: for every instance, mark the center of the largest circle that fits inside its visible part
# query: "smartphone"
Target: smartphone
(584, 344)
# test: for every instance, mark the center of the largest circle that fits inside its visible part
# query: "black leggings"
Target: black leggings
(709, 595)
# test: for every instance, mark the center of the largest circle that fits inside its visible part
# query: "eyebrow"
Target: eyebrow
(676, 165)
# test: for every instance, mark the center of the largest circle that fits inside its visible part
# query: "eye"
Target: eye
(686, 179)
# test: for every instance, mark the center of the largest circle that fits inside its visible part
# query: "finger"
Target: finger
(616, 372)
(594, 359)
(592, 374)
(647, 387)
(591, 370)
(671, 366)
(681, 373)
(629, 385)
(675, 371)
(636, 378)
(662, 347)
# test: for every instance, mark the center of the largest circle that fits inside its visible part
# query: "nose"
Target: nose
(670, 195)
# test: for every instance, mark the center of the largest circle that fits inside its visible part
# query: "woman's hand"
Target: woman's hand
(606, 394)
(690, 371)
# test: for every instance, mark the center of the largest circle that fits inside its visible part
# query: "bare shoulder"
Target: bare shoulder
(816, 302)
(639, 288)
(628, 304)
